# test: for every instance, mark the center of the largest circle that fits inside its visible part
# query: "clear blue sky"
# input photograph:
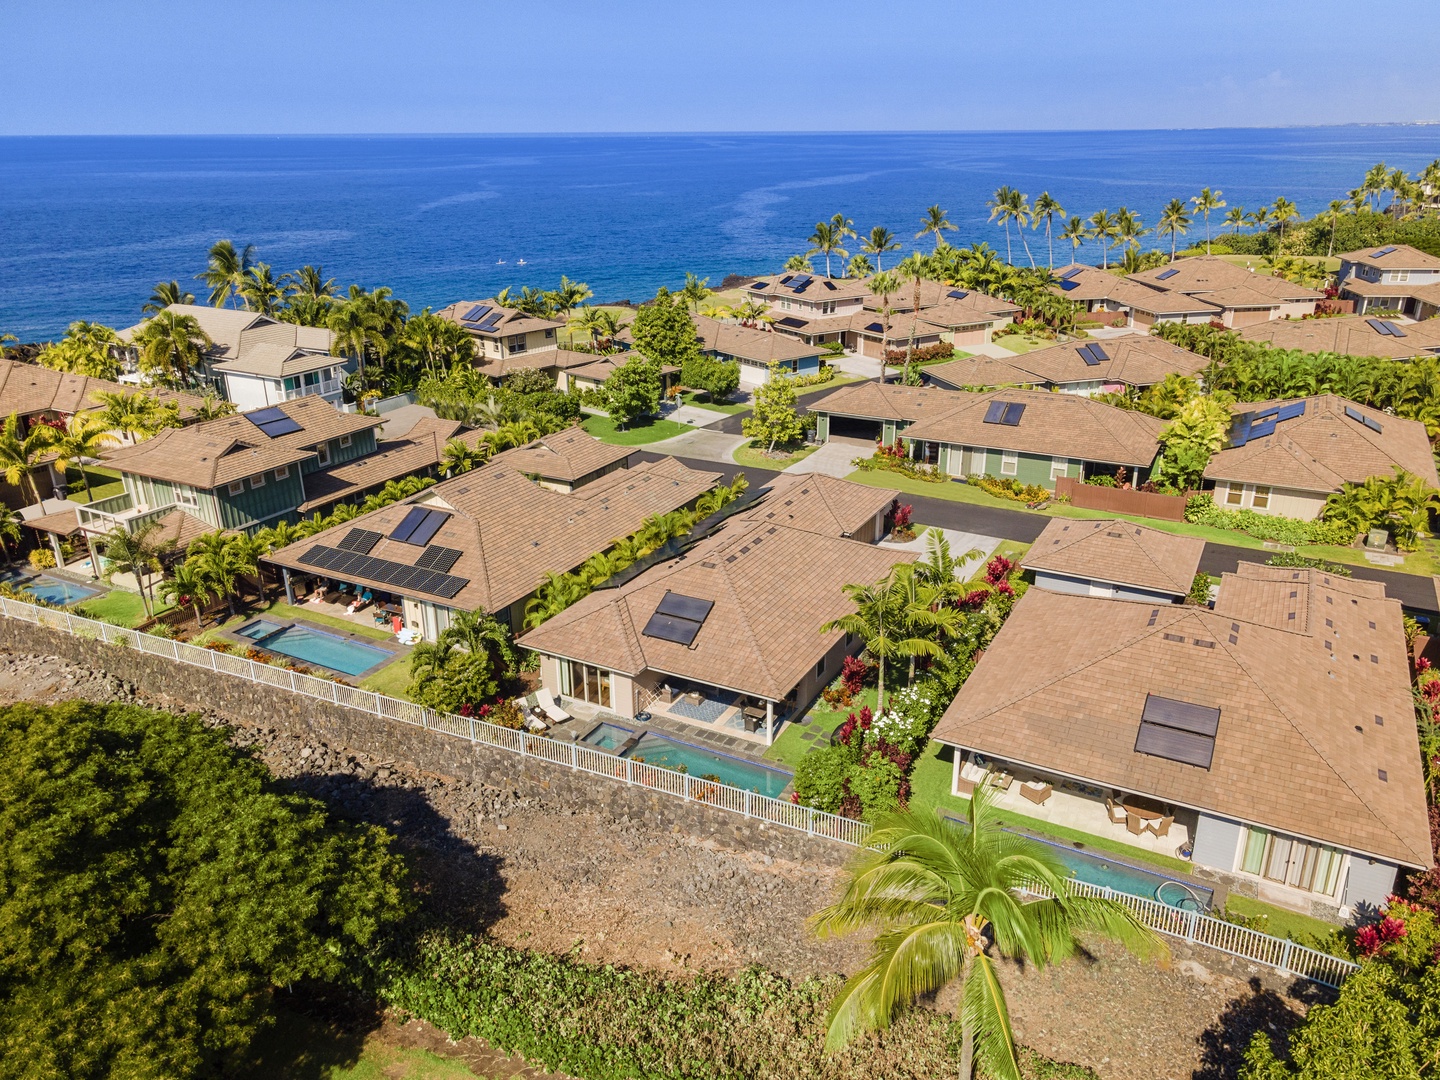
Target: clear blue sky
(120, 66)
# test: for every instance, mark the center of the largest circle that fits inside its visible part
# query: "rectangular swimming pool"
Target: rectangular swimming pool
(673, 754)
(608, 736)
(53, 590)
(1122, 877)
(311, 646)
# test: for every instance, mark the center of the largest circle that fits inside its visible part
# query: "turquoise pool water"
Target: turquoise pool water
(1097, 870)
(608, 736)
(670, 754)
(310, 646)
(53, 590)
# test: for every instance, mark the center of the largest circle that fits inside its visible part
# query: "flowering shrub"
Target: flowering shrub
(1372, 938)
(1005, 487)
(999, 569)
(903, 528)
(1201, 510)
(893, 458)
(853, 674)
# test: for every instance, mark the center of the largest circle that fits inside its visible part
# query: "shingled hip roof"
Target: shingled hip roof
(1119, 552)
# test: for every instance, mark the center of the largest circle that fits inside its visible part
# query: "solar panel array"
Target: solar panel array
(1166, 274)
(760, 285)
(791, 321)
(361, 540)
(367, 568)
(1381, 252)
(1005, 412)
(419, 526)
(678, 618)
(958, 294)
(1178, 731)
(273, 422)
(1092, 354)
(1385, 328)
(801, 283)
(1068, 274)
(438, 558)
(1249, 426)
(476, 313)
(1361, 418)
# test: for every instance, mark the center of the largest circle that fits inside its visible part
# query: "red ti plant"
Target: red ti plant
(998, 569)
(853, 673)
(902, 516)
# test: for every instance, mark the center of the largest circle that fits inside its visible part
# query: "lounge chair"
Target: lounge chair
(548, 705)
(964, 787)
(1161, 827)
(1116, 812)
(1036, 793)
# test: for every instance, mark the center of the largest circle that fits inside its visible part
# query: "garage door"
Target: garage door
(854, 427)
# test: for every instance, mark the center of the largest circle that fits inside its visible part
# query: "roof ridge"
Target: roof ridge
(744, 611)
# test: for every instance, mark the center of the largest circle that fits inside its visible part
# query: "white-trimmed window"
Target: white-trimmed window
(282, 472)
(1234, 494)
(1399, 275)
(258, 480)
(1059, 466)
(237, 488)
(185, 496)
(323, 453)
(1261, 499)
(1009, 462)
(344, 440)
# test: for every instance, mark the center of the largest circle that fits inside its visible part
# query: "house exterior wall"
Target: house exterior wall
(1079, 586)
(360, 444)
(1238, 317)
(1369, 882)
(517, 344)
(1216, 843)
(1282, 502)
(254, 505)
(1027, 468)
(250, 391)
(1294, 309)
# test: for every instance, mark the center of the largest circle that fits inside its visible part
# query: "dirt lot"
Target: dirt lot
(547, 877)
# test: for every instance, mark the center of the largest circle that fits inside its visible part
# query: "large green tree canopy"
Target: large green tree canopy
(154, 886)
(664, 332)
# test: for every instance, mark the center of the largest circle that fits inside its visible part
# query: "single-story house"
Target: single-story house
(1112, 365)
(1393, 277)
(876, 411)
(1089, 286)
(1270, 741)
(1286, 457)
(1147, 307)
(1351, 335)
(257, 360)
(815, 502)
(729, 630)
(756, 350)
(553, 362)
(1116, 559)
(484, 540)
(565, 460)
(501, 333)
(1211, 278)
(593, 375)
(873, 334)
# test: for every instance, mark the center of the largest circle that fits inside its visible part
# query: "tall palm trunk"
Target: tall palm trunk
(967, 1028)
(1050, 243)
(1008, 259)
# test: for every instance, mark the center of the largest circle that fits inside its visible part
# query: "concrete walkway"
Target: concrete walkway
(960, 543)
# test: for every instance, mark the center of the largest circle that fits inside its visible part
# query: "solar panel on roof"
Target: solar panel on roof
(1291, 411)
(685, 607)
(791, 321)
(1185, 715)
(1261, 428)
(1379, 327)
(1178, 731)
(1395, 331)
(669, 628)
(957, 294)
(474, 313)
(1239, 432)
(1165, 274)
(1068, 274)
(1373, 425)
(993, 413)
(1085, 354)
(876, 328)
(829, 285)
(1382, 251)
(1068, 285)
(264, 416)
(786, 279)
(284, 426)
(1098, 351)
(438, 558)
(384, 572)
(801, 283)
(409, 523)
(426, 530)
(1014, 410)
(760, 285)
(361, 540)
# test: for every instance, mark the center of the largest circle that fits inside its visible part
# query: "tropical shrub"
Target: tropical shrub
(1400, 504)
(1199, 593)
(1007, 487)
(42, 558)
(1201, 510)
(774, 420)
(815, 378)
(1295, 559)
(896, 459)
(718, 378)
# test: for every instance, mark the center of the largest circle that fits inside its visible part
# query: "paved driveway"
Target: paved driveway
(834, 457)
(706, 444)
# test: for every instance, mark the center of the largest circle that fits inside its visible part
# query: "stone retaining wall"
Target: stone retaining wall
(183, 687)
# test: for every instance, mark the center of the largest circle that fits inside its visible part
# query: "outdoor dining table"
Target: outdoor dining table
(1144, 809)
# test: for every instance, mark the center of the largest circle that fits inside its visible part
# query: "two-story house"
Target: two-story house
(1393, 277)
(501, 333)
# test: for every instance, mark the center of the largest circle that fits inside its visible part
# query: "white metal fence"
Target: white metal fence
(1281, 954)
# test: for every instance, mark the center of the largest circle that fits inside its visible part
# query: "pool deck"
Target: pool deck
(587, 716)
(393, 649)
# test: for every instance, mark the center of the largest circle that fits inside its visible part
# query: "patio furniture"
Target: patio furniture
(1116, 812)
(694, 697)
(1036, 793)
(752, 723)
(1001, 780)
(1160, 828)
(665, 695)
(551, 707)
(964, 787)
(1132, 824)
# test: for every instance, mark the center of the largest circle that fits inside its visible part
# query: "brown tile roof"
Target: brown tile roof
(275, 361)
(29, 389)
(418, 451)
(1119, 552)
(821, 504)
(510, 321)
(1355, 286)
(1085, 283)
(981, 370)
(216, 452)
(759, 345)
(1135, 360)
(887, 401)
(63, 522)
(538, 360)
(762, 636)
(818, 288)
(872, 324)
(511, 531)
(1298, 747)
(234, 333)
(566, 455)
(179, 529)
(1351, 335)
(601, 368)
(1245, 295)
(1156, 302)
(1397, 257)
(1201, 274)
(1061, 425)
(1323, 448)
(933, 293)
(957, 315)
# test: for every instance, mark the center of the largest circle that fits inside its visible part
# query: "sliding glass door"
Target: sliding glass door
(1288, 861)
(586, 682)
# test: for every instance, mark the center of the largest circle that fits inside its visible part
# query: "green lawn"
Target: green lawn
(281, 610)
(645, 430)
(1280, 922)
(1023, 343)
(789, 748)
(103, 483)
(1424, 562)
(752, 458)
(300, 1047)
(391, 680)
(702, 401)
(119, 607)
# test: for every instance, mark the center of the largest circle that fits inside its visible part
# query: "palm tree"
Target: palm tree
(1374, 183)
(1236, 219)
(260, 291)
(187, 584)
(355, 325)
(1046, 208)
(799, 264)
(226, 271)
(882, 285)
(309, 282)
(943, 896)
(1077, 232)
(222, 561)
(137, 553)
(1206, 201)
(879, 242)
(999, 206)
(20, 451)
(914, 266)
(1284, 211)
(131, 413)
(1129, 228)
(858, 267)
(170, 347)
(1104, 228)
(1336, 208)
(923, 609)
(84, 436)
(1175, 220)
(211, 407)
(459, 457)
(163, 295)
(935, 222)
(826, 240)
(695, 291)
(940, 568)
(1261, 218)
(877, 622)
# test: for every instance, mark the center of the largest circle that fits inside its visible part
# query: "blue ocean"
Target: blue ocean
(88, 225)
